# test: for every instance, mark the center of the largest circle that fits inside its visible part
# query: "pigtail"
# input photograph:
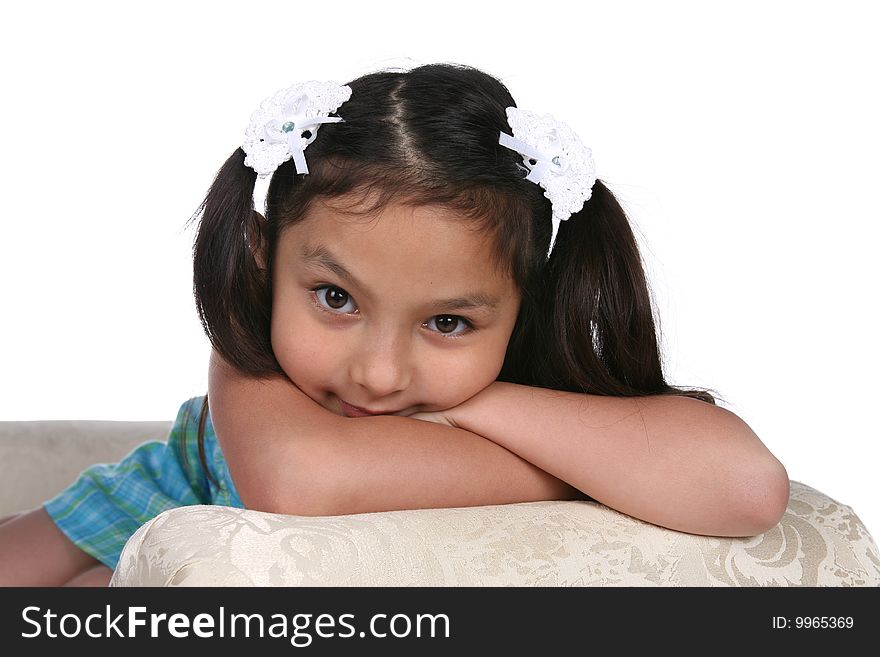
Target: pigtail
(594, 314)
(232, 293)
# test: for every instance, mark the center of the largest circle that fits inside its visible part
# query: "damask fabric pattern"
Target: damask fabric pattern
(819, 542)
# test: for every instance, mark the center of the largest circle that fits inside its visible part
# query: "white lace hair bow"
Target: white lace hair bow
(556, 159)
(275, 131)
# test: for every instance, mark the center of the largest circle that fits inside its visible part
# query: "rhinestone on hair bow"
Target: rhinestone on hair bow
(555, 158)
(275, 133)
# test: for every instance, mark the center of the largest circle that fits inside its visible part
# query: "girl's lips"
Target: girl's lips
(353, 411)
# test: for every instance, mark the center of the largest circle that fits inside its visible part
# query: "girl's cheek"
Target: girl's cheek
(303, 352)
(301, 348)
(455, 380)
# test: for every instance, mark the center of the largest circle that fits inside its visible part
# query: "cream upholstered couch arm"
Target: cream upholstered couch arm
(570, 543)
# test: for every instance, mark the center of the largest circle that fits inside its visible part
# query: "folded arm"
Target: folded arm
(673, 461)
(287, 454)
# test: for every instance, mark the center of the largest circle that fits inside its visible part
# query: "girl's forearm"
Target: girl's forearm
(385, 463)
(389, 463)
(672, 461)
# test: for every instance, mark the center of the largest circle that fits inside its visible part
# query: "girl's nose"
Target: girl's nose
(382, 368)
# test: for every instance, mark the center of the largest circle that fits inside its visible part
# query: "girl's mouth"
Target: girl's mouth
(355, 411)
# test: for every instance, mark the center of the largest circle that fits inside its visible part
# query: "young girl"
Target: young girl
(440, 306)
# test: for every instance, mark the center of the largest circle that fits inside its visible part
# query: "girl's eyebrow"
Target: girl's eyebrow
(321, 256)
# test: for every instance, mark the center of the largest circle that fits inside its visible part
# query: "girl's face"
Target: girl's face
(396, 314)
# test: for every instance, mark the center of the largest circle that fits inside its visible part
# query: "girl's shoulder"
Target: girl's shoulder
(185, 429)
(216, 483)
(190, 409)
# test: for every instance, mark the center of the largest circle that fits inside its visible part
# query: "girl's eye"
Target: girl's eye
(334, 298)
(449, 324)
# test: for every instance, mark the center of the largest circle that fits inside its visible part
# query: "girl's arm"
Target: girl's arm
(287, 454)
(672, 461)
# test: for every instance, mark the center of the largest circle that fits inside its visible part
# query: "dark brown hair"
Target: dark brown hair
(429, 136)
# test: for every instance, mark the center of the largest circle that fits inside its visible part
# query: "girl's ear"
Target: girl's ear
(257, 240)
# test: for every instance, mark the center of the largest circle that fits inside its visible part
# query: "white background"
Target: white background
(743, 140)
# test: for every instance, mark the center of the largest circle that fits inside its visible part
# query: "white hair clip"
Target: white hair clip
(275, 133)
(555, 158)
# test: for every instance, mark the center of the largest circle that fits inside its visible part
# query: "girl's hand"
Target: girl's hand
(457, 415)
